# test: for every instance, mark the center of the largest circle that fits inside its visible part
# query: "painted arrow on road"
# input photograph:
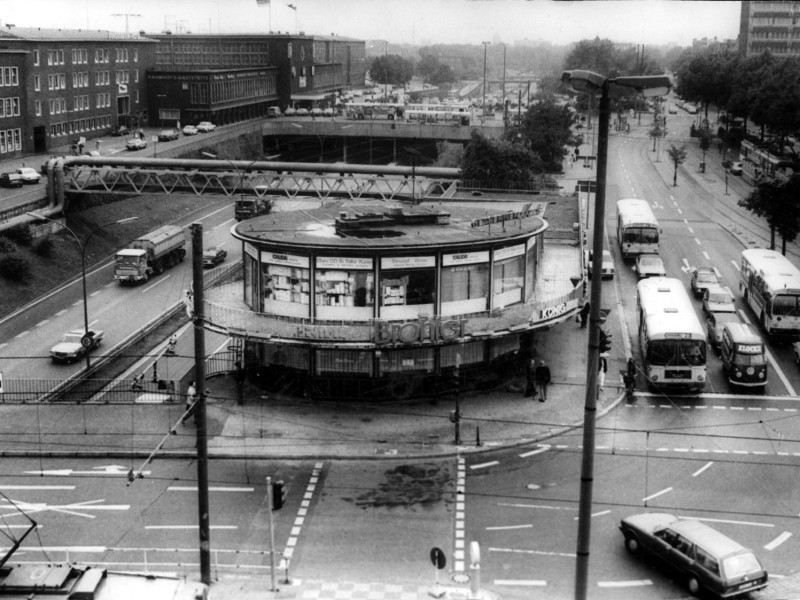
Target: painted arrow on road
(104, 471)
(27, 508)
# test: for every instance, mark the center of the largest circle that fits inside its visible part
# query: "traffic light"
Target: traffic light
(278, 494)
(455, 381)
(605, 341)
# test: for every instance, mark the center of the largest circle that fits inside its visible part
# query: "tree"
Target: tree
(776, 201)
(655, 133)
(444, 74)
(500, 164)
(705, 76)
(678, 156)
(705, 144)
(391, 69)
(545, 129)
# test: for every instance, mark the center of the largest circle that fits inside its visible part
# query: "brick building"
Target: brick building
(769, 26)
(229, 78)
(70, 83)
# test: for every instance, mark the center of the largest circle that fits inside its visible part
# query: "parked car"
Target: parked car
(714, 324)
(290, 112)
(718, 299)
(649, 265)
(190, 130)
(302, 112)
(213, 256)
(75, 344)
(136, 144)
(273, 112)
(702, 278)
(11, 180)
(121, 130)
(672, 110)
(607, 271)
(316, 112)
(736, 168)
(706, 559)
(168, 135)
(29, 175)
(205, 126)
(327, 112)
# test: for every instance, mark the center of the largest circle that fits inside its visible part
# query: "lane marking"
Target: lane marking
(703, 468)
(509, 527)
(717, 273)
(691, 230)
(752, 523)
(195, 527)
(706, 256)
(543, 506)
(778, 541)
(735, 264)
(61, 312)
(159, 282)
(37, 487)
(40, 323)
(696, 241)
(657, 494)
(484, 465)
(520, 582)
(459, 550)
(180, 488)
(535, 552)
(538, 450)
(622, 584)
(305, 504)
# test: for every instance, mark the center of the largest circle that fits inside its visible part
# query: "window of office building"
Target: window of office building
(286, 283)
(337, 362)
(38, 107)
(531, 265)
(465, 282)
(508, 275)
(344, 288)
(35, 58)
(408, 286)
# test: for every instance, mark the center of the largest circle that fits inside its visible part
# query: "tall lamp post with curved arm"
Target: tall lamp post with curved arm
(83, 245)
(593, 83)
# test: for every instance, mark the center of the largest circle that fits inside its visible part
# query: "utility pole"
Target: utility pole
(126, 15)
(483, 108)
(198, 319)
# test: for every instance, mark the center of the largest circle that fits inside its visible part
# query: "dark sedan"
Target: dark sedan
(11, 180)
(213, 256)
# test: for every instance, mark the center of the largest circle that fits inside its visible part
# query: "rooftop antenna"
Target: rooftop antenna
(126, 15)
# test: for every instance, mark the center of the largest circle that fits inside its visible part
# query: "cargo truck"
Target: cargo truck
(247, 208)
(150, 255)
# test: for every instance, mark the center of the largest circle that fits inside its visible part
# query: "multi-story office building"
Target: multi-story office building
(769, 26)
(228, 78)
(64, 85)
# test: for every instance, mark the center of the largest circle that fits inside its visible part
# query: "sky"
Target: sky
(416, 22)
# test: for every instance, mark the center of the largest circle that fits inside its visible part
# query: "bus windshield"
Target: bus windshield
(677, 353)
(786, 305)
(640, 235)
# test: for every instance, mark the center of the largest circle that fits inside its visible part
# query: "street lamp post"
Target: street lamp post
(483, 108)
(82, 245)
(587, 81)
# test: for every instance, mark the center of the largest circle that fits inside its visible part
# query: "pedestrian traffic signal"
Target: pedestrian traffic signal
(278, 495)
(455, 381)
(605, 341)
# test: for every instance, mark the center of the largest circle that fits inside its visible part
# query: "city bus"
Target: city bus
(671, 338)
(374, 110)
(455, 117)
(637, 228)
(771, 287)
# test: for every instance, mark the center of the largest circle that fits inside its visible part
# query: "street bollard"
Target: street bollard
(478, 436)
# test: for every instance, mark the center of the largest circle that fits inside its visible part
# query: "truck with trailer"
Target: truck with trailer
(247, 208)
(150, 255)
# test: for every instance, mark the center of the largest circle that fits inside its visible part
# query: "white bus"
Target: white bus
(453, 117)
(671, 338)
(771, 286)
(373, 110)
(637, 228)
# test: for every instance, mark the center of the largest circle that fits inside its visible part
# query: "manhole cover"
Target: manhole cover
(460, 577)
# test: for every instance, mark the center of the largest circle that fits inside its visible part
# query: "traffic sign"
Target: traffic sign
(438, 558)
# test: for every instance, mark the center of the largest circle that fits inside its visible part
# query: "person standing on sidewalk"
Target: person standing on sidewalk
(191, 400)
(530, 378)
(542, 380)
(584, 313)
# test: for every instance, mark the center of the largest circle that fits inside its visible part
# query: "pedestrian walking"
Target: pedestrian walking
(80, 148)
(137, 383)
(603, 369)
(583, 315)
(542, 380)
(97, 144)
(191, 403)
(173, 342)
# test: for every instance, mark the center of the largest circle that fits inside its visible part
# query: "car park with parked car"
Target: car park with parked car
(736, 168)
(168, 135)
(703, 278)
(708, 561)
(136, 144)
(121, 130)
(10, 180)
(190, 130)
(649, 265)
(206, 127)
